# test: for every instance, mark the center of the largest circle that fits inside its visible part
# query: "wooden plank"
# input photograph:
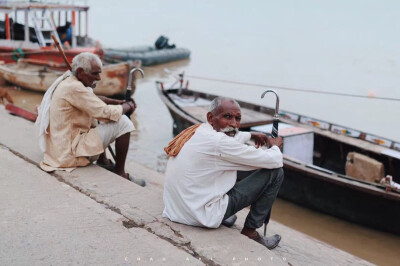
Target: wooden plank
(198, 112)
(249, 117)
(18, 111)
(252, 118)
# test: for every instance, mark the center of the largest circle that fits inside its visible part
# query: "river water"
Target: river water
(330, 46)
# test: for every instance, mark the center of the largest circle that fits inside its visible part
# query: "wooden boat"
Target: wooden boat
(315, 158)
(147, 54)
(38, 76)
(32, 38)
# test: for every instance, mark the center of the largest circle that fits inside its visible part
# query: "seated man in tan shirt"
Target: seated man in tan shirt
(75, 125)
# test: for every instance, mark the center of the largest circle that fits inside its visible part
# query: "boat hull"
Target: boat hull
(11, 55)
(344, 199)
(114, 77)
(148, 56)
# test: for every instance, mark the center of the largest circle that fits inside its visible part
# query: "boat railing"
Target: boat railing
(38, 14)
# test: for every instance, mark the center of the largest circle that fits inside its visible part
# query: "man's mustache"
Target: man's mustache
(229, 129)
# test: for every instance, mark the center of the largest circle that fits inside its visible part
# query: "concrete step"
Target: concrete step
(47, 222)
(142, 207)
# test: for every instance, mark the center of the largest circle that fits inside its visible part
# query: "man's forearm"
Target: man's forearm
(103, 98)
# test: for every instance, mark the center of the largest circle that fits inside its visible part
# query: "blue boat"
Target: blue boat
(149, 55)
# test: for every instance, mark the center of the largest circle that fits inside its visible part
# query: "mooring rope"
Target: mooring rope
(295, 89)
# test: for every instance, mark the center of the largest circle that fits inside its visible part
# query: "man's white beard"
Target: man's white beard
(95, 83)
(230, 129)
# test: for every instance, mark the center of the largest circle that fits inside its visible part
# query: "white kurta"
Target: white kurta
(199, 177)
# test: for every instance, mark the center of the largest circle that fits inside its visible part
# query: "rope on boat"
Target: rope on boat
(294, 89)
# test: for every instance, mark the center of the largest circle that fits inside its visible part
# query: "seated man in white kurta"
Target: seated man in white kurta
(200, 187)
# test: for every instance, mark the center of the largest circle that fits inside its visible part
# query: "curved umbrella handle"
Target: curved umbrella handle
(274, 132)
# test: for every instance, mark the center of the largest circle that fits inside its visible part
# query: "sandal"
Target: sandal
(269, 242)
(108, 166)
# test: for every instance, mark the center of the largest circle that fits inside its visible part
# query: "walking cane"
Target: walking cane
(274, 134)
(128, 96)
(128, 93)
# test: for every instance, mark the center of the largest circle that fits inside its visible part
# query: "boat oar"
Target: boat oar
(61, 51)
(274, 134)
(128, 93)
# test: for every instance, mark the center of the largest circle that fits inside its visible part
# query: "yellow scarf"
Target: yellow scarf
(175, 146)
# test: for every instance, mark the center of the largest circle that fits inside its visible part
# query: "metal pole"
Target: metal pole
(7, 27)
(52, 18)
(79, 23)
(42, 16)
(26, 28)
(87, 24)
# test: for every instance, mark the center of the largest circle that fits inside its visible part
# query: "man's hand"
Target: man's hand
(107, 100)
(260, 139)
(129, 107)
(276, 141)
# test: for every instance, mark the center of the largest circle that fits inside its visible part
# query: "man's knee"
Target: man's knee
(280, 175)
(124, 126)
(125, 123)
(277, 174)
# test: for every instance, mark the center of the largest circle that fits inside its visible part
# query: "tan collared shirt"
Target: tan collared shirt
(72, 133)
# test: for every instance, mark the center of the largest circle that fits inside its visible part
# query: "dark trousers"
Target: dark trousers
(258, 190)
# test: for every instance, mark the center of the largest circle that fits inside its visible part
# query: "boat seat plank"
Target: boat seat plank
(249, 117)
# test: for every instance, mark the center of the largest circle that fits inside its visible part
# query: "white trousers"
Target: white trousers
(110, 131)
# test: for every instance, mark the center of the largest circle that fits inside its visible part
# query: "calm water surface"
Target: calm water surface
(336, 46)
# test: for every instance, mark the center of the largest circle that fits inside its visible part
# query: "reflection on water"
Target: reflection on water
(154, 131)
